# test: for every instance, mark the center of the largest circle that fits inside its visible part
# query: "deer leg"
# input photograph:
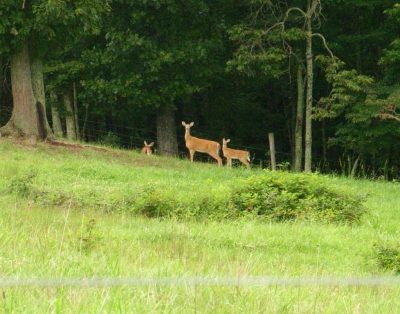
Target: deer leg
(191, 155)
(217, 158)
(245, 162)
(229, 162)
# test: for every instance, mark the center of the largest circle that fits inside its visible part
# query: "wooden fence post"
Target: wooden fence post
(272, 150)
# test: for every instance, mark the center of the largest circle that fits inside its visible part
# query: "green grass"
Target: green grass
(80, 240)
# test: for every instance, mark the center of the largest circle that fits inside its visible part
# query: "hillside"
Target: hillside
(61, 216)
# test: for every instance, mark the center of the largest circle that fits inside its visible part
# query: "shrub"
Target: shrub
(388, 257)
(155, 202)
(90, 237)
(22, 185)
(282, 196)
(110, 139)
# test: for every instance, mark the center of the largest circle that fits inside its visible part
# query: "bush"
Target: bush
(388, 257)
(110, 139)
(155, 202)
(282, 196)
(22, 185)
(276, 196)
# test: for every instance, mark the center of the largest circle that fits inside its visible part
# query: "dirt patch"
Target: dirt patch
(75, 146)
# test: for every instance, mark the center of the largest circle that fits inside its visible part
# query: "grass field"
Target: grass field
(87, 235)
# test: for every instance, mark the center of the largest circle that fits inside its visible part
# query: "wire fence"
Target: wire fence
(132, 137)
(264, 281)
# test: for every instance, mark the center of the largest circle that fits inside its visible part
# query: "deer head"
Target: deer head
(187, 126)
(147, 149)
(225, 142)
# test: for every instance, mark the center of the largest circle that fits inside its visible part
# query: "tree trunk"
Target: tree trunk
(38, 90)
(1, 84)
(324, 142)
(299, 121)
(355, 167)
(55, 116)
(78, 136)
(28, 118)
(309, 102)
(69, 115)
(84, 135)
(166, 132)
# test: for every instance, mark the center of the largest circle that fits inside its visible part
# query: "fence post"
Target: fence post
(272, 150)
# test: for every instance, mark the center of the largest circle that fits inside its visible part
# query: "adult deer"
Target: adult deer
(229, 153)
(147, 149)
(195, 144)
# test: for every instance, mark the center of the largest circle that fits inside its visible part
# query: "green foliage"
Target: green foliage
(283, 196)
(42, 21)
(186, 193)
(349, 90)
(110, 139)
(388, 257)
(255, 53)
(22, 185)
(90, 236)
(155, 203)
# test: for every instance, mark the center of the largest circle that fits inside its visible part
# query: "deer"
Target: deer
(229, 153)
(195, 144)
(147, 149)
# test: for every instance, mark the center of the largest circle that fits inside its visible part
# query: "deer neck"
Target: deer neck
(187, 135)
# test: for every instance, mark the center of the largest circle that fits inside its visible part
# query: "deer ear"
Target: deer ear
(191, 124)
(151, 144)
(183, 123)
(145, 143)
(223, 140)
(228, 140)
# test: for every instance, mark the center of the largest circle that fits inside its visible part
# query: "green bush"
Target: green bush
(276, 196)
(110, 139)
(22, 185)
(388, 257)
(155, 202)
(281, 196)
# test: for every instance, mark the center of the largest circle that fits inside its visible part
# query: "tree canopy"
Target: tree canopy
(121, 72)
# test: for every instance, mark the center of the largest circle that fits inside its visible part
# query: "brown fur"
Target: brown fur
(229, 153)
(147, 149)
(195, 144)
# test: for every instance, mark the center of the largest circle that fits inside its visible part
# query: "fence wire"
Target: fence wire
(265, 281)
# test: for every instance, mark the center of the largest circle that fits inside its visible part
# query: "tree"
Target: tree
(271, 40)
(26, 31)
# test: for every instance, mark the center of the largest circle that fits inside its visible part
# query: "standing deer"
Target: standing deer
(229, 153)
(147, 148)
(195, 144)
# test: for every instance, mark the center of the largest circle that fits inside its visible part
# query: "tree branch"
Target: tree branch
(324, 42)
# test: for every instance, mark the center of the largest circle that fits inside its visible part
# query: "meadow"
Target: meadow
(61, 219)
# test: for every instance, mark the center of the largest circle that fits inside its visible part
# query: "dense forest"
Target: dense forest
(322, 75)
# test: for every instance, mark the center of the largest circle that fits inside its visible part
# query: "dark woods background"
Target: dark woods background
(132, 70)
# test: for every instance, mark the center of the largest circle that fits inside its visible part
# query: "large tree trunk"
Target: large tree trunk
(166, 132)
(309, 102)
(1, 83)
(298, 162)
(38, 90)
(28, 118)
(78, 136)
(69, 115)
(55, 116)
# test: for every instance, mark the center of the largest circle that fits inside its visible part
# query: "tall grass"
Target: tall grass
(39, 240)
